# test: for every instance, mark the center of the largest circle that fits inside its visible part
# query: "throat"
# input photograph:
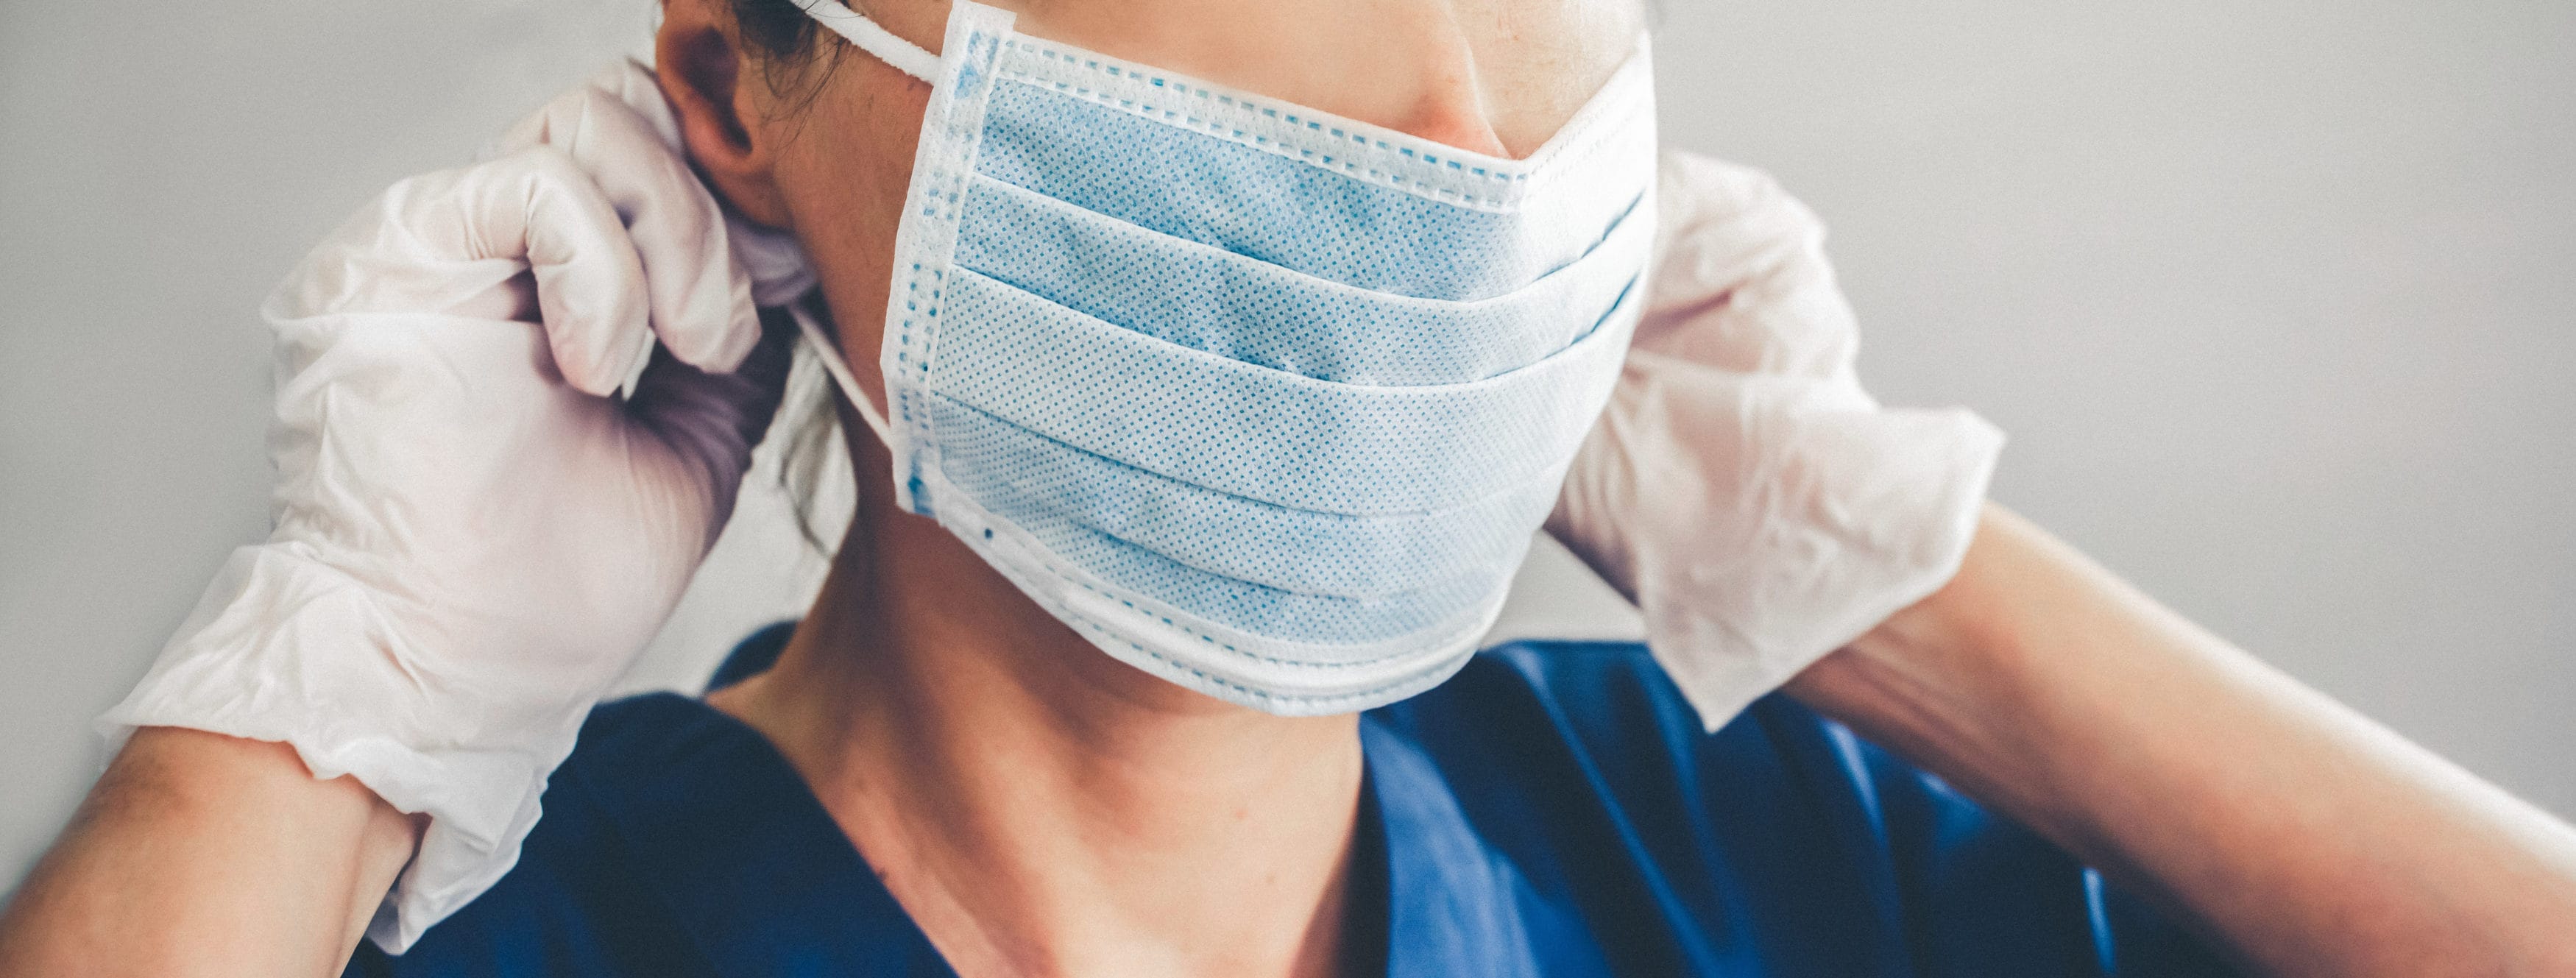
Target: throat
(1210, 858)
(1035, 816)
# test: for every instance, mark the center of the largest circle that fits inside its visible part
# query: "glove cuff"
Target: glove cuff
(1831, 583)
(285, 648)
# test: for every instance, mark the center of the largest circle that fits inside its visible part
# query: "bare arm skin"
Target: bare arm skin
(201, 854)
(2312, 840)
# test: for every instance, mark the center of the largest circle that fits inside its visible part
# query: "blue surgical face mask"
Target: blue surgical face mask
(1260, 400)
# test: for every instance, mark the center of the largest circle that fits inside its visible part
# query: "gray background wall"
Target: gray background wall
(2275, 300)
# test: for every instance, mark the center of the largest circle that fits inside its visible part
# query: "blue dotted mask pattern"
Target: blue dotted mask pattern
(1260, 400)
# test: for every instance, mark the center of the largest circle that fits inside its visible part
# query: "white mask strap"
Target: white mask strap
(830, 354)
(904, 55)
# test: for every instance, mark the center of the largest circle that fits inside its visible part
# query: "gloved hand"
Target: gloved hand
(1758, 506)
(474, 536)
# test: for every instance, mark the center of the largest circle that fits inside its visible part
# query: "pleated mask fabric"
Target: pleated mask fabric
(1260, 400)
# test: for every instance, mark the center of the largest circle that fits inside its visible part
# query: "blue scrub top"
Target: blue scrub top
(1555, 809)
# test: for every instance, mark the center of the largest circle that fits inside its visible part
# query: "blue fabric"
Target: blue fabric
(1201, 297)
(1553, 810)
(1283, 209)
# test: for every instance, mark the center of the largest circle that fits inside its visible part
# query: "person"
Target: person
(935, 772)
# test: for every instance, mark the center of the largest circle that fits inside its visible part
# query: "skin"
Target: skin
(1041, 809)
(2308, 838)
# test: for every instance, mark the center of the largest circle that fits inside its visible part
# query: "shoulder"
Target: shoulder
(1599, 723)
(1608, 709)
(577, 901)
(1782, 835)
(675, 842)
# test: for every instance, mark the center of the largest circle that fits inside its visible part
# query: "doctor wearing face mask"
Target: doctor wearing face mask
(1204, 374)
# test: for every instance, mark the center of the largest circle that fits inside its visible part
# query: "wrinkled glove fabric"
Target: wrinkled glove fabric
(1756, 503)
(472, 537)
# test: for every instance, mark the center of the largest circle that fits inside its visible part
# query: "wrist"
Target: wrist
(1948, 649)
(200, 853)
(1957, 682)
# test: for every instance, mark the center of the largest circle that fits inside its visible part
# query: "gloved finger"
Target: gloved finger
(468, 242)
(617, 129)
(537, 206)
(406, 252)
(1740, 279)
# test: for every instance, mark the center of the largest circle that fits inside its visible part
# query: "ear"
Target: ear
(710, 80)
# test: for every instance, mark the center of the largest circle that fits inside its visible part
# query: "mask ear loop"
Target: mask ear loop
(855, 27)
(830, 353)
(911, 59)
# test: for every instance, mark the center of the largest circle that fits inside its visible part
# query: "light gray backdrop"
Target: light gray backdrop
(2275, 300)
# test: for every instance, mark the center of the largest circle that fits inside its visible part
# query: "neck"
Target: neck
(1038, 807)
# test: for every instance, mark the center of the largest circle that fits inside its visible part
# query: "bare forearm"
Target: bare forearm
(2308, 837)
(200, 854)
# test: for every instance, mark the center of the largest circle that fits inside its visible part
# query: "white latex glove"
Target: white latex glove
(1741, 487)
(474, 536)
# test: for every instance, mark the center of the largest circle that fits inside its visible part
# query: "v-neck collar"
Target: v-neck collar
(722, 829)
